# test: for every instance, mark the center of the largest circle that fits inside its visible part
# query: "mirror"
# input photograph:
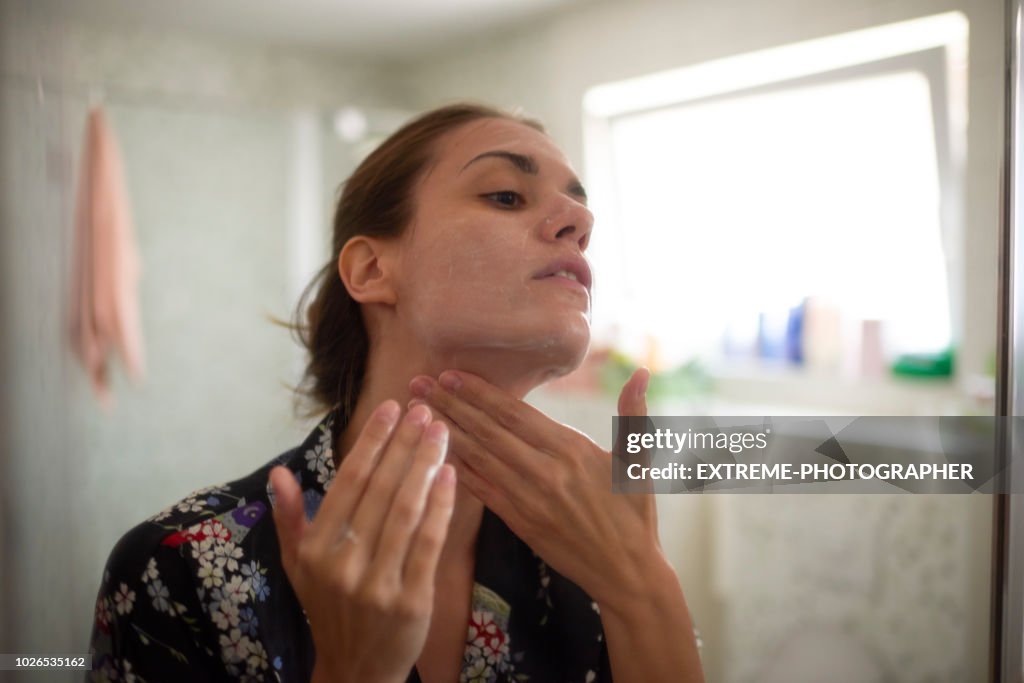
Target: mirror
(798, 213)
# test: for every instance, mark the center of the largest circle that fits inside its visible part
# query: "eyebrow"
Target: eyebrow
(526, 164)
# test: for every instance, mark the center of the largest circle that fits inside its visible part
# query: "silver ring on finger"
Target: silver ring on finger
(346, 533)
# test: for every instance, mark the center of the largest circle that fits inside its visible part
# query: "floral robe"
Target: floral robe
(197, 593)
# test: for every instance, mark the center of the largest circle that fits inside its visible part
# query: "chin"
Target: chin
(567, 350)
(552, 347)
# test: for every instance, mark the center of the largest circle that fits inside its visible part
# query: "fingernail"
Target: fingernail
(419, 386)
(450, 381)
(388, 412)
(415, 402)
(642, 389)
(447, 475)
(419, 415)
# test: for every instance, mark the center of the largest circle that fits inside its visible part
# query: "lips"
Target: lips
(570, 268)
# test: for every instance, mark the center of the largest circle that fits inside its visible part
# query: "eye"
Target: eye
(507, 198)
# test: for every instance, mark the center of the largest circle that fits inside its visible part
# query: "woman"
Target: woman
(457, 284)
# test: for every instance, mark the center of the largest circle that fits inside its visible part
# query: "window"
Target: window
(737, 197)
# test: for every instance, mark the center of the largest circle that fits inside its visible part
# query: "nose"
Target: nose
(569, 219)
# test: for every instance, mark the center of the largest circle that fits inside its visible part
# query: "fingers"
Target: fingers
(633, 397)
(354, 473)
(408, 506)
(501, 428)
(483, 462)
(387, 477)
(633, 406)
(399, 512)
(421, 563)
(289, 513)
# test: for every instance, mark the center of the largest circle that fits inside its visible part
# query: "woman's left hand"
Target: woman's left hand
(551, 484)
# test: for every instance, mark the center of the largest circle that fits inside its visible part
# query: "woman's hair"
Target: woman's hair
(377, 201)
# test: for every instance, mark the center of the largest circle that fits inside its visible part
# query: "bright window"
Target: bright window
(723, 213)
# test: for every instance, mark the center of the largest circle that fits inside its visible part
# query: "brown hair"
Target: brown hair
(376, 200)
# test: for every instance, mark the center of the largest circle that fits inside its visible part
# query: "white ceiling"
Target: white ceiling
(384, 29)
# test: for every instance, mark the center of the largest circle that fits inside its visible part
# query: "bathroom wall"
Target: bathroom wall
(208, 133)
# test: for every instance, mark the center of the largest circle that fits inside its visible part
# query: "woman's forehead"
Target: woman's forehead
(464, 144)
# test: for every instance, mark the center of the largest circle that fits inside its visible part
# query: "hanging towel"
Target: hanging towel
(104, 308)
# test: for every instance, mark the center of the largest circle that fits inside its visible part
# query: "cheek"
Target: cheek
(469, 264)
(469, 286)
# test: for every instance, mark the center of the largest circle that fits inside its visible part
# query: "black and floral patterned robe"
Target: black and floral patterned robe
(197, 593)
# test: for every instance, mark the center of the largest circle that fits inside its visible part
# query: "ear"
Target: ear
(364, 265)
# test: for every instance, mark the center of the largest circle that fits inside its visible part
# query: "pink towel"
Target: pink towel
(104, 301)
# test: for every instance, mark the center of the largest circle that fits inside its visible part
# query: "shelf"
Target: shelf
(794, 390)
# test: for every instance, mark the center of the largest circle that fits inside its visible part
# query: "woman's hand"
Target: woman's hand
(553, 487)
(551, 484)
(364, 568)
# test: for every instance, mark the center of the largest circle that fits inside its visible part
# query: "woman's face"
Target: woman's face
(494, 256)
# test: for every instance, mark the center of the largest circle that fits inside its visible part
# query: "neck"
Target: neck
(388, 373)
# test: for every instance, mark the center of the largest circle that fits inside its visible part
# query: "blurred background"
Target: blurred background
(797, 209)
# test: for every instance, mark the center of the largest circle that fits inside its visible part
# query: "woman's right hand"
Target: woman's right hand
(364, 568)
